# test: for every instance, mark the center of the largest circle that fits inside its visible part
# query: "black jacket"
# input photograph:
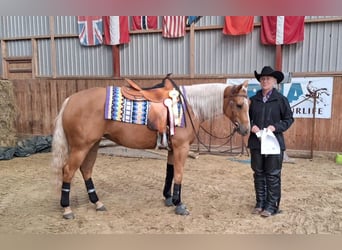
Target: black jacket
(276, 111)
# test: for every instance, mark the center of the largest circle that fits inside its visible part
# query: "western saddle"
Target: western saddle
(163, 114)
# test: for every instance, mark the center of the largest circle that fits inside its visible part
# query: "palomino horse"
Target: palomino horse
(80, 126)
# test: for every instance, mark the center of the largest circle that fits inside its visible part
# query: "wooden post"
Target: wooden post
(34, 61)
(211, 130)
(192, 51)
(279, 58)
(4, 63)
(53, 47)
(116, 60)
(313, 124)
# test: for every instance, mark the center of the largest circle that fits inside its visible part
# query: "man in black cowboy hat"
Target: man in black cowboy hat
(271, 110)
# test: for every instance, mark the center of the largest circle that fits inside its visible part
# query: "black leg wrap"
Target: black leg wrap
(168, 181)
(176, 198)
(65, 192)
(91, 190)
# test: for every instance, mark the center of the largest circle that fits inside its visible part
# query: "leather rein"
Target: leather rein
(200, 126)
(228, 137)
(234, 130)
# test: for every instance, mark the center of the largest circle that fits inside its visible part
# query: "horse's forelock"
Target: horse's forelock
(206, 99)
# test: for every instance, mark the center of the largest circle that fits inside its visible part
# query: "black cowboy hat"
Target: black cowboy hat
(268, 71)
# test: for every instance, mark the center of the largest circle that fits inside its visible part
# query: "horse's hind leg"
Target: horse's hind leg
(86, 170)
(74, 161)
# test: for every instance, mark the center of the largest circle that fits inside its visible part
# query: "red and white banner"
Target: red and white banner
(238, 25)
(115, 30)
(173, 26)
(144, 22)
(282, 29)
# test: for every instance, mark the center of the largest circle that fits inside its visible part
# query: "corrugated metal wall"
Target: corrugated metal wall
(219, 54)
(150, 54)
(75, 60)
(44, 58)
(65, 25)
(19, 48)
(24, 26)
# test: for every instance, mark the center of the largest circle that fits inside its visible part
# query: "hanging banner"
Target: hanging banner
(300, 93)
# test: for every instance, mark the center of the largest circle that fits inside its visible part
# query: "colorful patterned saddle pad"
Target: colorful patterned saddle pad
(118, 108)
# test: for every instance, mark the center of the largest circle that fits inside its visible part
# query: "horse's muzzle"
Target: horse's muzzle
(242, 129)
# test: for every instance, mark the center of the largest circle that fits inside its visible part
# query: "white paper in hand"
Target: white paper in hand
(269, 143)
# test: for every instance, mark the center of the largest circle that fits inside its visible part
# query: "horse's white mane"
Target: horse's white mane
(206, 99)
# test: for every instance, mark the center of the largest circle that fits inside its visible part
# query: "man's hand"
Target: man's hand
(271, 128)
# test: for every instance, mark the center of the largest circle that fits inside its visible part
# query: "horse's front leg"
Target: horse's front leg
(168, 185)
(175, 167)
(181, 209)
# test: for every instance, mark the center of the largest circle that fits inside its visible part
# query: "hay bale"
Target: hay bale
(7, 115)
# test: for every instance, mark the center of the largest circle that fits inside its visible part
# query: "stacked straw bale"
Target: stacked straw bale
(7, 115)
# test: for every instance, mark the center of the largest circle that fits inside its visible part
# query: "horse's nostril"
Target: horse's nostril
(242, 130)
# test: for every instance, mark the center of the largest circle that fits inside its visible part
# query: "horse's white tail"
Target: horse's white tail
(60, 149)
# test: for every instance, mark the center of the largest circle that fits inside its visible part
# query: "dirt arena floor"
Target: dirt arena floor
(218, 191)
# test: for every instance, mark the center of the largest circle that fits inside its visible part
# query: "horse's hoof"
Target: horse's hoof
(102, 208)
(168, 202)
(181, 210)
(69, 216)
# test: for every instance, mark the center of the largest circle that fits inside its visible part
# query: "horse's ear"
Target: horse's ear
(243, 86)
(245, 83)
(236, 89)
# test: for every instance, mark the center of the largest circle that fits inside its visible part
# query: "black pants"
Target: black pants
(267, 180)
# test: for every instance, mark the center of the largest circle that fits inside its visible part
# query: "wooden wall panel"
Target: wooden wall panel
(19, 68)
(23, 102)
(53, 104)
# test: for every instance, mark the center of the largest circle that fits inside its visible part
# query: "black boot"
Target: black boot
(259, 180)
(273, 182)
(260, 190)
